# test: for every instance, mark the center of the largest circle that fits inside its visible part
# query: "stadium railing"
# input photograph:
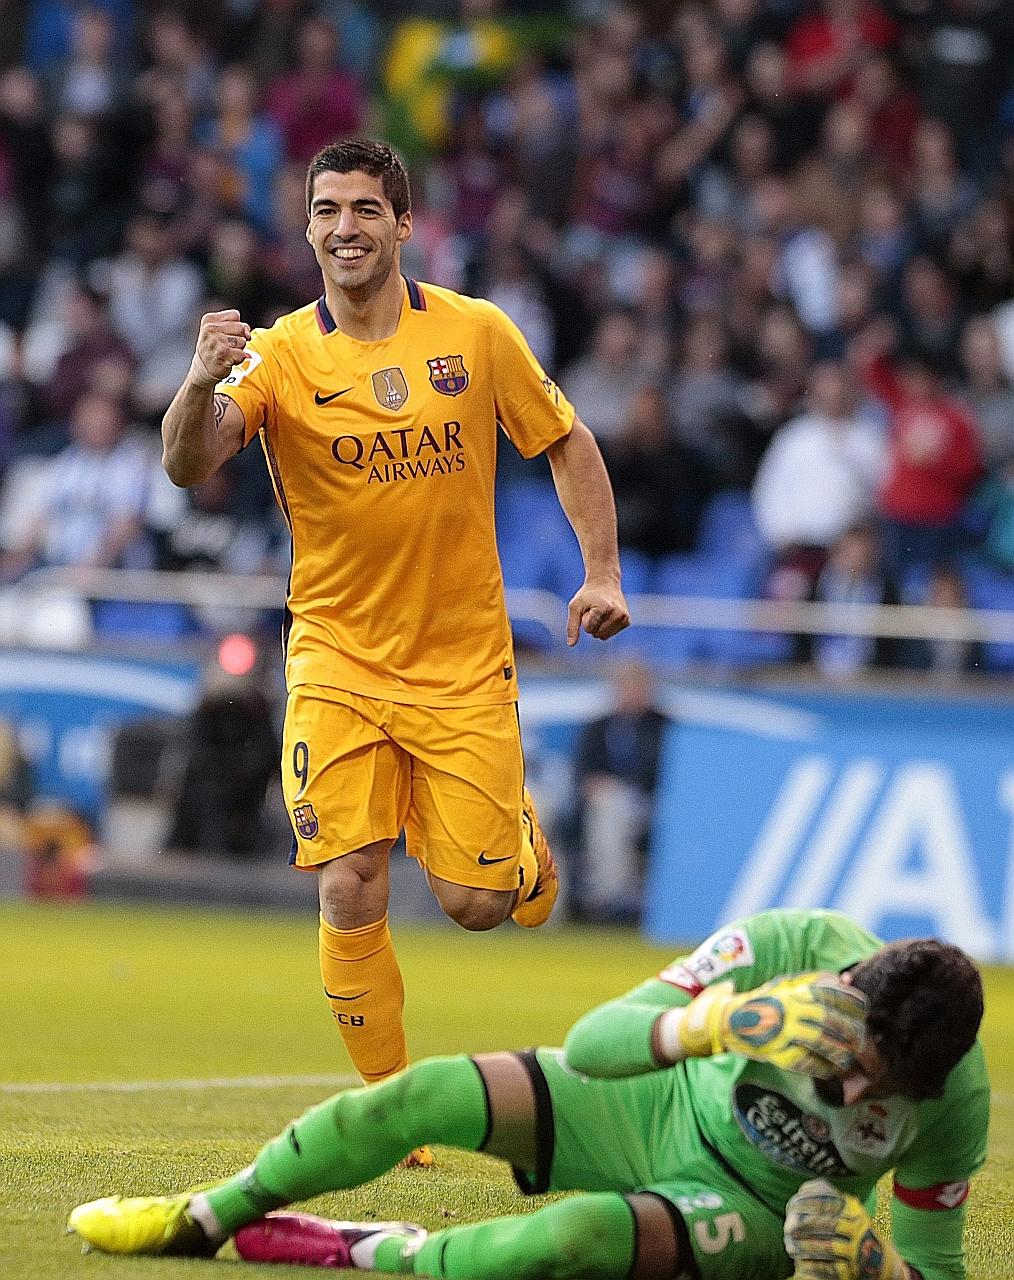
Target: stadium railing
(214, 591)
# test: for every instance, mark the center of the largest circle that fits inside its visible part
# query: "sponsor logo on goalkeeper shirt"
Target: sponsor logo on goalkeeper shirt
(402, 453)
(871, 1126)
(785, 1133)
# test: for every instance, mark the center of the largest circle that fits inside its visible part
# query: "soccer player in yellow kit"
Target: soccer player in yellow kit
(377, 409)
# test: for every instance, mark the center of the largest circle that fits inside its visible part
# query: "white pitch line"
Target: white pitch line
(154, 1086)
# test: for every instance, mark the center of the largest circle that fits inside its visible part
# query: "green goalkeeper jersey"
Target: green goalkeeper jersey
(770, 1127)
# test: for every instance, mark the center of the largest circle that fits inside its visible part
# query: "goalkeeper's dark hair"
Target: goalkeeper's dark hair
(365, 156)
(925, 1006)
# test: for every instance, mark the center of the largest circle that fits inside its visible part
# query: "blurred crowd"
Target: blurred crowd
(765, 246)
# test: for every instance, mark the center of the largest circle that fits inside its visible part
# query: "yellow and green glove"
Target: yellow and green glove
(830, 1236)
(812, 1023)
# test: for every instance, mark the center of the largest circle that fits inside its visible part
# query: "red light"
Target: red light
(237, 655)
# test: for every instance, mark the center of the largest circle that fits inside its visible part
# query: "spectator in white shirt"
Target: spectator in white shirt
(818, 477)
(152, 290)
(91, 502)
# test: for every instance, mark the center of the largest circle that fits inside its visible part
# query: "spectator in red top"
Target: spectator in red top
(892, 107)
(319, 101)
(828, 44)
(934, 455)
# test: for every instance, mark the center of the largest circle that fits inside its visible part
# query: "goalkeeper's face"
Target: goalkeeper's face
(868, 1077)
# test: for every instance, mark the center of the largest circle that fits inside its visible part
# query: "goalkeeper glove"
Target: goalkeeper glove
(812, 1023)
(830, 1236)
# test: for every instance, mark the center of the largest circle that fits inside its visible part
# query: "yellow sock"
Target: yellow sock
(528, 866)
(363, 985)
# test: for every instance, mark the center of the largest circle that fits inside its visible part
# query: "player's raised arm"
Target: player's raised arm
(645, 1030)
(202, 429)
(811, 1023)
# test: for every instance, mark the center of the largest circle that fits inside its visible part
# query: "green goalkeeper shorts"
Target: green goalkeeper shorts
(640, 1134)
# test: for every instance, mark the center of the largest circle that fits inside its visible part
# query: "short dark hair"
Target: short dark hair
(915, 355)
(925, 1007)
(363, 154)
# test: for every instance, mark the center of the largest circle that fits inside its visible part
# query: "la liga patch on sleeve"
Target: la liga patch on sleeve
(728, 949)
(250, 361)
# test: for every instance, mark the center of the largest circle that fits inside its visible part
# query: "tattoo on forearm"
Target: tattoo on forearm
(219, 406)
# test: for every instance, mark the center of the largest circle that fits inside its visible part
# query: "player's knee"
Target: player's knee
(477, 917)
(352, 881)
(475, 909)
(580, 1233)
(407, 1103)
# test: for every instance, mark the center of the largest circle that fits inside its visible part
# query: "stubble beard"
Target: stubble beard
(831, 1092)
(360, 291)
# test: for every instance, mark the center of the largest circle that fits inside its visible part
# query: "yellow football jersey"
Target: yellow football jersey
(383, 456)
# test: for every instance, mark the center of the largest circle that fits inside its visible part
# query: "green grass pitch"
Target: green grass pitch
(105, 995)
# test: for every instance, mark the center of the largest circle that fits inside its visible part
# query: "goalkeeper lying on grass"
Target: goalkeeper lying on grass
(725, 1121)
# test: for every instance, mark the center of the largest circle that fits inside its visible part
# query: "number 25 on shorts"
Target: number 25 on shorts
(723, 1230)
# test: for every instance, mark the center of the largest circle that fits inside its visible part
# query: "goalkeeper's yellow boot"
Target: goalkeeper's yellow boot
(538, 906)
(142, 1224)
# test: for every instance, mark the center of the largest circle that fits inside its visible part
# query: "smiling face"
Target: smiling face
(355, 234)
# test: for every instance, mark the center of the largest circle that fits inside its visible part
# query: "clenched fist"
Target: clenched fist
(600, 609)
(221, 343)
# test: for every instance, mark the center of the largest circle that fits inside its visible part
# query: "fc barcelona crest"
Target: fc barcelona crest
(390, 388)
(306, 821)
(448, 375)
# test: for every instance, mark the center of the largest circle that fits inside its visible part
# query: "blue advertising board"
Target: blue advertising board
(66, 707)
(896, 810)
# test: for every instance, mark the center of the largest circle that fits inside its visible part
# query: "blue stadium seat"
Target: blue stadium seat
(914, 585)
(990, 587)
(525, 526)
(728, 528)
(522, 506)
(637, 570)
(725, 579)
(681, 575)
(156, 620)
(538, 549)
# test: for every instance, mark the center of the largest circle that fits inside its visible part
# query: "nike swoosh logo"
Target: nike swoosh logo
(331, 995)
(319, 399)
(488, 862)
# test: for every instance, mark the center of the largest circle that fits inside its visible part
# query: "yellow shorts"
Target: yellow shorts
(356, 770)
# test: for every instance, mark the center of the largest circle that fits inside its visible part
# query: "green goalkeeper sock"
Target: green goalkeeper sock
(588, 1237)
(357, 1135)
